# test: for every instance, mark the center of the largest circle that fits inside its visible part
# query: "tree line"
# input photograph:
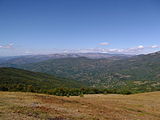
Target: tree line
(61, 91)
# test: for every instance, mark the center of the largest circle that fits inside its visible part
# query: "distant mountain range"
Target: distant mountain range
(19, 60)
(141, 72)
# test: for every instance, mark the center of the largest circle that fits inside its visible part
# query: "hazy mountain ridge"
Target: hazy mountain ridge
(19, 60)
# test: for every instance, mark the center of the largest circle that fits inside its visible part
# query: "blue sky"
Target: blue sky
(50, 26)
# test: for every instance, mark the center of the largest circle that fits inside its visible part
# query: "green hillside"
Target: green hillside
(16, 79)
(137, 73)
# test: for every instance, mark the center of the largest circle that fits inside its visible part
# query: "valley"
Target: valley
(139, 73)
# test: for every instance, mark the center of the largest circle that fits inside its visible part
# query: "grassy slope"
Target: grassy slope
(13, 76)
(31, 106)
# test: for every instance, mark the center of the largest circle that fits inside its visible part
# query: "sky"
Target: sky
(65, 26)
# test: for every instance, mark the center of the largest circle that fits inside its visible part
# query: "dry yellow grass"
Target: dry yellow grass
(31, 106)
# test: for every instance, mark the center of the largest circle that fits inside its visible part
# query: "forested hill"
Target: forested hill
(17, 79)
(137, 72)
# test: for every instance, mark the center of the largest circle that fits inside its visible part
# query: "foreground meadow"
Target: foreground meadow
(32, 106)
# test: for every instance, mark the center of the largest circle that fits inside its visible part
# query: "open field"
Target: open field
(32, 106)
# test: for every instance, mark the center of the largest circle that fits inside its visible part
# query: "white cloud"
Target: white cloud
(154, 46)
(104, 43)
(27, 52)
(133, 50)
(140, 47)
(7, 46)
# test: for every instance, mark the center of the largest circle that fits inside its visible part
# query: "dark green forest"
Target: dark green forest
(12, 78)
